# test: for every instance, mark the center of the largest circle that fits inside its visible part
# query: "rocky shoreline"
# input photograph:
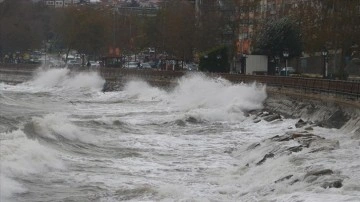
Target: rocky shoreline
(322, 110)
(300, 142)
(293, 143)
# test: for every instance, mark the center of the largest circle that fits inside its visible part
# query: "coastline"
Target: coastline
(332, 111)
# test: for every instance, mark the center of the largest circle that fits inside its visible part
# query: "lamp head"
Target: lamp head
(286, 53)
(324, 52)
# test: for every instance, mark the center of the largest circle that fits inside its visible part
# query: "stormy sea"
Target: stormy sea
(205, 139)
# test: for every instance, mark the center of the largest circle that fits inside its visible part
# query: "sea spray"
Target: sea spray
(57, 126)
(203, 97)
(65, 79)
(217, 98)
(140, 90)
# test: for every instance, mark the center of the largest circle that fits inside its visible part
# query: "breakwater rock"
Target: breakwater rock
(315, 109)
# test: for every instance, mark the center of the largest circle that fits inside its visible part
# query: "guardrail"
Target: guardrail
(348, 88)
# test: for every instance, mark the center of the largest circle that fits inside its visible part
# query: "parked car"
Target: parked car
(73, 63)
(131, 65)
(286, 71)
(153, 64)
(191, 66)
(145, 65)
(94, 64)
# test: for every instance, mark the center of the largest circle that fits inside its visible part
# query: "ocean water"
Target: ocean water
(62, 139)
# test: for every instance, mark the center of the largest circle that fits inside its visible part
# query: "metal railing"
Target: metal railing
(340, 87)
(307, 85)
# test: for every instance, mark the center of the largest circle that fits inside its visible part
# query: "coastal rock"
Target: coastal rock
(313, 176)
(309, 128)
(284, 178)
(332, 184)
(319, 173)
(301, 123)
(324, 145)
(303, 139)
(336, 120)
(306, 139)
(257, 120)
(269, 155)
(193, 120)
(326, 178)
(294, 181)
(356, 135)
(263, 113)
(272, 117)
(295, 148)
(253, 146)
(180, 123)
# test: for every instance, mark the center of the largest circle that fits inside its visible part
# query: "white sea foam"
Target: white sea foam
(9, 187)
(63, 78)
(50, 77)
(213, 99)
(21, 156)
(58, 124)
(138, 89)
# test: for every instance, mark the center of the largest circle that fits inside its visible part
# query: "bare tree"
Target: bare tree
(20, 32)
(177, 27)
(330, 24)
(87, 30)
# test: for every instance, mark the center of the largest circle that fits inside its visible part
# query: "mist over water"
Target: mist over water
(62, 139)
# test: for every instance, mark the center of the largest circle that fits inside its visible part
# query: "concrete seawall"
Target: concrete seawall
(331, 110)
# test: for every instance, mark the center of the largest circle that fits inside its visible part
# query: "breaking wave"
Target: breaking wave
(63, 78)
(202, 97)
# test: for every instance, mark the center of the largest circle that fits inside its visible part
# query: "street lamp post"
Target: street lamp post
(286, 55)
(277, 64)
(324, 53)
(243, 63)
(218, 58)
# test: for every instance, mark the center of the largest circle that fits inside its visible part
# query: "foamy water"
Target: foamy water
(62, 139)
